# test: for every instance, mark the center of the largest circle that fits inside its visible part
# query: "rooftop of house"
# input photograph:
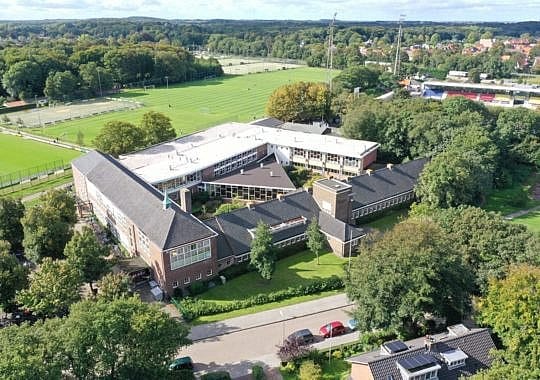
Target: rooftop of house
(140, 202)
(318, 128)
(197, 151)
(385, 183)
(484, 86)
(265, 173)
(458, 343)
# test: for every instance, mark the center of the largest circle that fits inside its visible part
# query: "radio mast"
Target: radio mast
(330, 55)
(397, 61)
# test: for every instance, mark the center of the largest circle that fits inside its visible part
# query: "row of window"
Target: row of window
(382, 205)
(179, 181)
(187, 279)
(290, 241)
(190, 254)
(288, 224)
(425, 376)
(456, 364)
(235, 162)
(144, 242)
(242, 192)
(330, 157)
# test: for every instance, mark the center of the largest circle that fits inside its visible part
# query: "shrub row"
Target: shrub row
(192, 308)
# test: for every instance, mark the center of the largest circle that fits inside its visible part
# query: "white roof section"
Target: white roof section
(454, 355)
(195, 152)
(481, 86)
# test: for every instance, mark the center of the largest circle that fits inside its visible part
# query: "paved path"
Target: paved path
(45, 140)
(40, 193)
(236, 344)
(517, 214)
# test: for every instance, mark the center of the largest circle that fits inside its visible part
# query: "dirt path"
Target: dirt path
(536, 196)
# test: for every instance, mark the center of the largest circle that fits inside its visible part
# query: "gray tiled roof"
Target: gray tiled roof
(257, 176)
(234, 226)
(385, 183)
(141, 202)
(476, 344)
(338, 229)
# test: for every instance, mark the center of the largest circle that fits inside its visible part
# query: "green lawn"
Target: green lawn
(388, 219)
(299, 269)
(196, 105)
(20, 191)
(531, 220)
(17, 154)
(295, 270)
(504, 200)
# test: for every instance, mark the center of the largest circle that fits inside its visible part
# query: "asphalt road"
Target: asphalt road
(237, 351)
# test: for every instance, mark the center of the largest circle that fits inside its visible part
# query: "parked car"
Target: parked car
(301, 337)
(181, 363)
(352, 324)
(332, 329)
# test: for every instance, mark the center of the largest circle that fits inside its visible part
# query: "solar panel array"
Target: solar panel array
(417, 363)
(395, 346)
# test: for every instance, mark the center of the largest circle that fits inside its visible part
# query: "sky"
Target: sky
(354, 10)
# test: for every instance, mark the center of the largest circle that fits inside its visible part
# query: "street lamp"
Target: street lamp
(282, 326)
(167, 79)
(99, 81)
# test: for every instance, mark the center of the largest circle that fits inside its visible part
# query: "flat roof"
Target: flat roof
(482, 86)
(333, 184)
(195, 152)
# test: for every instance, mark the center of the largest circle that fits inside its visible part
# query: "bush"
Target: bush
(183, 374)
(310, 371)
(257, 373)
(197, 288)
(219, 375)
(192, 308)
(236, 270)
(292, 352)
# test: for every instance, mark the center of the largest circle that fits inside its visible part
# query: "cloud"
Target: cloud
(436, 10)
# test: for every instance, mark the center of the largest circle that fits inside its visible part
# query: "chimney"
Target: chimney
(166, 201)
(242, 171)
(369, 171)
(271, 174)
(389, 166)
(262, 164)
(185, 200)
(280, 197)
(428, 341)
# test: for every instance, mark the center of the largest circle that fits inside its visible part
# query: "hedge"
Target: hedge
(192, 308)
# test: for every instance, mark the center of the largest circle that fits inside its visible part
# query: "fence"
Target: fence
(27, 176)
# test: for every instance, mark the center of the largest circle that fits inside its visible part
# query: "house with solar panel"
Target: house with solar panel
(460, 352)
(144, 198)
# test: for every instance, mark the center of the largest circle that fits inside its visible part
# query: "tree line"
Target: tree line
(68, 69)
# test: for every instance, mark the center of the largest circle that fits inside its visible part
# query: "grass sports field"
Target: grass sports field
(195, 105)
(17, 154)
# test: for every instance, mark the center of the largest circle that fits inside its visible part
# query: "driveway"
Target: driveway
(235, 345)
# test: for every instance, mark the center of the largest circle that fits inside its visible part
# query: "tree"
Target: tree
(87, 254)
(410, 272)
(54, 286)
(263, 256)
(292, 350)
(113, 286)
(32, 352)
(23, 80)
(96, 80)
(309, 371)
(11, 229)
(80, 138)
(13, 276)
(462, 174)
(121, 339)
(315, 239)
(299, 102)
(474, 75)
(119, 137)
(488, 244)
(512, 309)
(356, 76)
(156, 128)
(48, 226)
(61, 85)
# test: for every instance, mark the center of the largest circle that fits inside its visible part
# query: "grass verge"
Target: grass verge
(38, 187)
(513, 199)
(531, 220)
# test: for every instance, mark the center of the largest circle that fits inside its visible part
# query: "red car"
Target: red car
(332, 329)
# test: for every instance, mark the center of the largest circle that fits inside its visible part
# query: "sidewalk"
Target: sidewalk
(263, 318)
(521, 213)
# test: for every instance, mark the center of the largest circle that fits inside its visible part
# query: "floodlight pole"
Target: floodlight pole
(99, 81)
(282, 326)
(330, 350)
(167, 79)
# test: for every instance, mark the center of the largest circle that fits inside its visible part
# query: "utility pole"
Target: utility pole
(167, 79)
(330, 56)
(397, 61)
(99, 81)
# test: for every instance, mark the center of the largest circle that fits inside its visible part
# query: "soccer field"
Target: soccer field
(195, 105)
(17, 154)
